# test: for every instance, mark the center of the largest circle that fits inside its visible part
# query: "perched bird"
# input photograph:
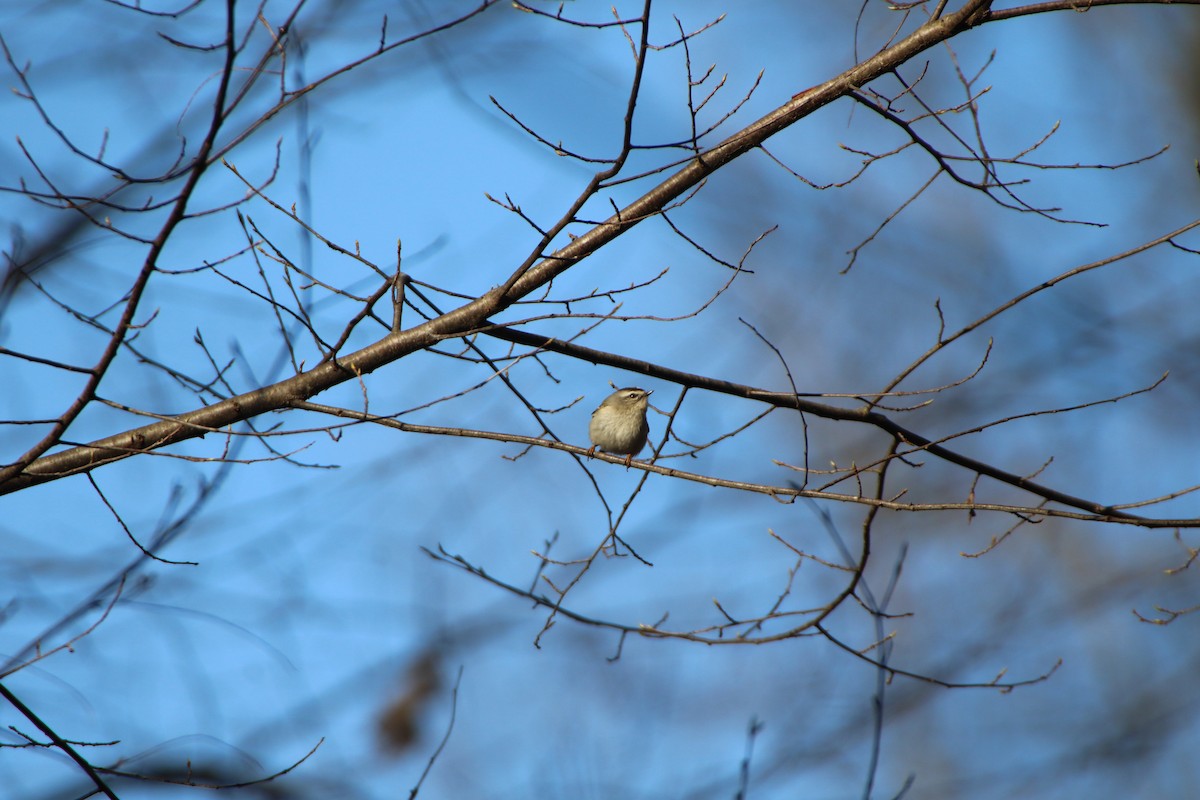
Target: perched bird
(619, 425)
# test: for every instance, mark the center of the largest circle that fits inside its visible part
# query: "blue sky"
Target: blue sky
(311, 593)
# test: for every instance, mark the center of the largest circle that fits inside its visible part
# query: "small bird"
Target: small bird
(619, 425)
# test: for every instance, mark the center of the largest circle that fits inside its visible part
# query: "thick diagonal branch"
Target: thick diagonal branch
(471, 316)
